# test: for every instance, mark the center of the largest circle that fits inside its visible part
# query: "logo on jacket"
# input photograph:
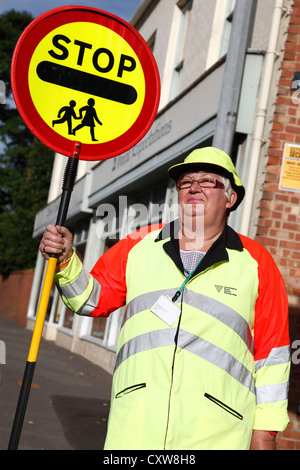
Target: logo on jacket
(227, 290)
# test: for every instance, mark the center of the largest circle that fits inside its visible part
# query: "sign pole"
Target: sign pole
(67, 188)
(115, 86)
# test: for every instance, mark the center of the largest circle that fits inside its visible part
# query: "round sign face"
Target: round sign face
(83, 75)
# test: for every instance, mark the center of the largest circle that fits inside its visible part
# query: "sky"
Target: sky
(122, 8)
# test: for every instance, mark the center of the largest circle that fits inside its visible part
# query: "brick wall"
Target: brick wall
(14, 295)
(279, 220)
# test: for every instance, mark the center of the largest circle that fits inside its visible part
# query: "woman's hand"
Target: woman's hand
(58, 240)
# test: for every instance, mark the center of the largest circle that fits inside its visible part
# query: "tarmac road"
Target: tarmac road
(69, 399)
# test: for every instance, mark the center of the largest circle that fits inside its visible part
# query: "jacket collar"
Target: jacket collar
(216, 254)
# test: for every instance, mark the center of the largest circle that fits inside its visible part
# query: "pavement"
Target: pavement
(69, 397)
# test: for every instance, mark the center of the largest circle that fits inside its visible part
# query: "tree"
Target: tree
(25, 164)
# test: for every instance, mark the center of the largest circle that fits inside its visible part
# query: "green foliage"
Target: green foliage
(25, 164)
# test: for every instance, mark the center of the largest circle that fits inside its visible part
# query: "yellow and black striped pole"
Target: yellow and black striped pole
(67, 188)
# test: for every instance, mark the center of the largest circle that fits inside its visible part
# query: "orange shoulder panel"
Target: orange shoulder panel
(110, 272)
(271, 327)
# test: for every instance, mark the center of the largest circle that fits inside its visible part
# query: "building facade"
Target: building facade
(228, 72)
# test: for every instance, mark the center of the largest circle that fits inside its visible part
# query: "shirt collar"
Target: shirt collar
(217, 252)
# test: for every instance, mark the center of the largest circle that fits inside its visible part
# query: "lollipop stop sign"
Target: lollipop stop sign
(86, 84)
(80, 74)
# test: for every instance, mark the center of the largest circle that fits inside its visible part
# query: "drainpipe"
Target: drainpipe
(261, 114)
(240, 38)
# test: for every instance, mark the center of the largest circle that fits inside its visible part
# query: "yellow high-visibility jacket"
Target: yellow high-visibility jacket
(220, 370)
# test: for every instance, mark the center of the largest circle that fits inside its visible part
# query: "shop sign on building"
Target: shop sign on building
(290, 169)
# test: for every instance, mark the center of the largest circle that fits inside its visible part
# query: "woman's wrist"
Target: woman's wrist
(64, 263)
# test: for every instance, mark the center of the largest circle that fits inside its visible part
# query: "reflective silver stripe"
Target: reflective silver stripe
(212, 307)
(280, 355)
(145, 302)
(194, 345)
(92, 302)
(144, 342)
(272, 393)
(221, 312)
(218, 357)
(76, 287)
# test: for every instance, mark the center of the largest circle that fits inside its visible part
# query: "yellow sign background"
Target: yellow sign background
(49, 98)
(290, 169)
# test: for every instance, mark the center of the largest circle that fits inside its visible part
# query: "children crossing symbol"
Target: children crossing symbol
(87, 113)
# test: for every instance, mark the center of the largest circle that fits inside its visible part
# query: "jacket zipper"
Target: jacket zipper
(173, 366)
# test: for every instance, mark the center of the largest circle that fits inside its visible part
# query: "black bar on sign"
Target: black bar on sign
(86, 82)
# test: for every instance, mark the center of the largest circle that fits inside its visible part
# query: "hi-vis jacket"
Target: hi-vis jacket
(219, 371)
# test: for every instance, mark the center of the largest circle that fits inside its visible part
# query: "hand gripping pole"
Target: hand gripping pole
(67, 188)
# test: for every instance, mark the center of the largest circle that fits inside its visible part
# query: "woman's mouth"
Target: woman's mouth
(194, 200)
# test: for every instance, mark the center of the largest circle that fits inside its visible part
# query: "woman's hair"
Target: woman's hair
(227, 187)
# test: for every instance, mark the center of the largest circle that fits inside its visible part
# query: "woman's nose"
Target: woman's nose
(195, 187)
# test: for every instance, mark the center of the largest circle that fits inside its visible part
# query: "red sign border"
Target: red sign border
(23, 52)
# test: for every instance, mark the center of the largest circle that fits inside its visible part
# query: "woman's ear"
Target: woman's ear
(232, 200)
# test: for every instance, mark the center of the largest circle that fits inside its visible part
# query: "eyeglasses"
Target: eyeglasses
(203, 183)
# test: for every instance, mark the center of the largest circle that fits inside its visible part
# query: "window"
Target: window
(148, 208)
(100, 326)
(185, 7)
(79, 243)
(109, 230)
(151, 41)
(220, 31)
(227, 27)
